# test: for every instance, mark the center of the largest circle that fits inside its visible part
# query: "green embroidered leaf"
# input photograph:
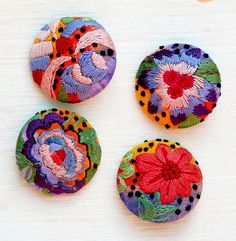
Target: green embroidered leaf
(128, 156)
(190, 121)
(90, 174)
(147, 63)
(208, 71)
(157, 198)
(124, 165)
(62, 95)
(86, 19)
(30, 174)
(46, 191)
(67, 20)
(128, 170)
(94, 152)
(24, 163)
(88, 136)
(82, 119)
(154, 212)
(19, 144)
(122, 187)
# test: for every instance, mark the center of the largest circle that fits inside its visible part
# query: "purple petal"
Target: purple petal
(212, 96)
(159, 54)
(154, 104)
(147, 81)
(200, 110)
(179, 118)
(196, 52)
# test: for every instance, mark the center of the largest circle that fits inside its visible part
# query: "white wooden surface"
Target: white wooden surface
(96, 212)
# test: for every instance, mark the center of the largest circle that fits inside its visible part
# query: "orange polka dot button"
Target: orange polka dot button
(159, 181)
(178, 85)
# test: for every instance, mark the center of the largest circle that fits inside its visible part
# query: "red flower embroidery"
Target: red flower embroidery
(168, 172)
(177, 83)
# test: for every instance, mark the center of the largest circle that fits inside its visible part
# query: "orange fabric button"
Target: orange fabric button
(178, 86)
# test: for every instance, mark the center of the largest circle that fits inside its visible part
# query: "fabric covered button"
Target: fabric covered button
(178, 85)
(58, 151)
(159, 181)
(72, 59)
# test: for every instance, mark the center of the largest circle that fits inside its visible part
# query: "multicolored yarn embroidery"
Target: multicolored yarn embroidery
(159, 181)
(58, 151)
(72, 59)
(178, 85)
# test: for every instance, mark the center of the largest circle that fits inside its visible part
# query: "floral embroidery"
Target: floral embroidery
(168, 172)
(181, 81)
(72, 59)
(53, 156)
(159, 181)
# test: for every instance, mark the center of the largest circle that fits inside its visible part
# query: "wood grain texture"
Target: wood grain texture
(96, 213)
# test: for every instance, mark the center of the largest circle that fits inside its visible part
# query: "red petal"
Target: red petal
(168, 192)
(192, 173)
(147, 163)
(163, 153)
(181, 156)
(64, 44)
(186, 81)
(175, 92)
(170, 77)
(73, 98)
(150, 182)
(58, 156)
(183, 187)
(37, 76)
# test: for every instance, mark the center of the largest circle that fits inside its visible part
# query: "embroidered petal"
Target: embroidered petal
(192, 173)
(183, 187)
(163, 153)
(147, 163)
(181, 156)
(201, 110)
(168, 192)
(196, 52)
(154, 104)
(151, 182)
(147, 78)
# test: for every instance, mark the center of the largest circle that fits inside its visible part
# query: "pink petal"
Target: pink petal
(147, 163)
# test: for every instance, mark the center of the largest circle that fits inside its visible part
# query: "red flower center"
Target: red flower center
(177, 83)
(170, 171)
(58, 157)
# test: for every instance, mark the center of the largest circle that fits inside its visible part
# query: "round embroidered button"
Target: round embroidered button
(58, 151)
(72, 59)
(178, 85)
(159, 181)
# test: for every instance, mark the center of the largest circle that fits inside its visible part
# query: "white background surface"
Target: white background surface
(96, 212)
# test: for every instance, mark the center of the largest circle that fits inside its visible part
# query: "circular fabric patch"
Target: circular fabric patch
(159, 181)
(58, 151)
(178, 85)
(73, 59)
